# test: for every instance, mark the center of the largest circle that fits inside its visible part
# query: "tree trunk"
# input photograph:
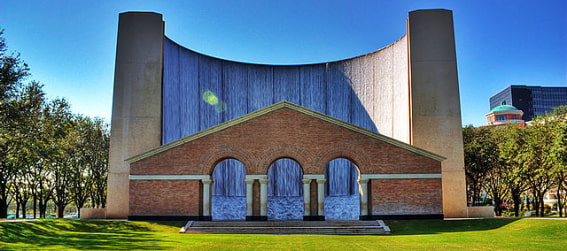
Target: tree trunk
(535, 203)
(498, 207)
(559, 202)
(17, 210)
(474, 195)
(23, 207)
(34, 206)
(542, 205)
(527, 203)
(42, 207)
(80, 204)
(517, 201)
(60, 210)
(3, 208)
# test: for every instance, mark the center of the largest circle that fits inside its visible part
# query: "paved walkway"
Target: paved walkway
(18, 220)
(545, 218)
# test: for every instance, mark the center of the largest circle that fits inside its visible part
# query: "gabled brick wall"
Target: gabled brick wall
(311, 141)
(285, 133)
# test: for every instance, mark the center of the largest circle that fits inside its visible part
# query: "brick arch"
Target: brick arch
(215, 155)
(223, 159)
(349, 159)
(301, 155)
(284, 157)
(359, 158)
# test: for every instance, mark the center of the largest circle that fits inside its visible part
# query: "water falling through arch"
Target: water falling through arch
(285, 190)
(342, 190)
(229, 191)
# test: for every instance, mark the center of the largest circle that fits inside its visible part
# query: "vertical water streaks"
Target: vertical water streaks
(313, 87)
(286, 84)
(284, 178)
(360, 71)
(339, 93)
(170, 92)
(229, 191)
(210, 88)
(200, 92)
(342, 200)
(189, 89)
(285, 190)
(260, 87)
(235, 81)
(401, 101)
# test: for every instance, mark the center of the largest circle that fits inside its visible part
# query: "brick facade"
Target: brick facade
(285, 132)
(164, 197)
(406, 196)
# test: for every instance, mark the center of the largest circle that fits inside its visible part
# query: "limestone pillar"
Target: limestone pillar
(249, 183)
(364, 198)
(306, 197)
(263, 197)
(434, 92)
(136, 107)
(206, 197)
(321, 197)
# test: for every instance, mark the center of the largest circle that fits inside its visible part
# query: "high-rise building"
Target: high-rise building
(532, 100)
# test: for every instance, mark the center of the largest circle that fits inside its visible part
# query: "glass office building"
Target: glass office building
(532, 100)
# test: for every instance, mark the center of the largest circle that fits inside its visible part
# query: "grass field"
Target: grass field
(480, 234)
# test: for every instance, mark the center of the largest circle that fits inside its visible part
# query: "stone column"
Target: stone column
(136, 106)
(321, 197)
(306, 197)
(206, 197)
(434, 92)
(249, 183)
(263, 196)
(364, 198)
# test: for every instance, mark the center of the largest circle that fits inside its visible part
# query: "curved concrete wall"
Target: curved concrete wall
(370, 91)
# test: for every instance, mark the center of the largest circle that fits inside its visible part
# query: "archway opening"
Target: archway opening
(229, 191)
(342, 190)
(285, 190)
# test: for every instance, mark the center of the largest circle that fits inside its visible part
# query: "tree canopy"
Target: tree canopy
(47, 153)
(520, 165)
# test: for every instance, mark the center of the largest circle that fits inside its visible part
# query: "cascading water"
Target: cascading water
(229, 191)
(200, 92)
(285, 190)
(342, 196)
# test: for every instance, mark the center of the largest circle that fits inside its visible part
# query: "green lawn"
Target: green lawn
(487, 234)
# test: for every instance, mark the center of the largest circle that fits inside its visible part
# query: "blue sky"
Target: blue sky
(70, 45)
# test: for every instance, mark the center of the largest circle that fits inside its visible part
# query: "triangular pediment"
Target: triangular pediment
(294, 107)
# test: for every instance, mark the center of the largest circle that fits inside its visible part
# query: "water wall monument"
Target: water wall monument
(372, 137)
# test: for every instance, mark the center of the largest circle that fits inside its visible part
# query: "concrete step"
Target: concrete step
(287, 227)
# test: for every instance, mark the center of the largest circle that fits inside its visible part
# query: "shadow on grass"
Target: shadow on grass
(76, 234)
(178, 224)
(415, 227)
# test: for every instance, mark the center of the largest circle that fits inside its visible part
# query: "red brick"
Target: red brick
(312, 142)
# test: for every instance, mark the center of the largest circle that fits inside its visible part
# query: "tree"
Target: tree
(98, 140)
(511, 142)
(558, 155)
(479, 153)
(59, 119)
(46, 152)
(12, 72)
(486, 171)
(534, 160)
